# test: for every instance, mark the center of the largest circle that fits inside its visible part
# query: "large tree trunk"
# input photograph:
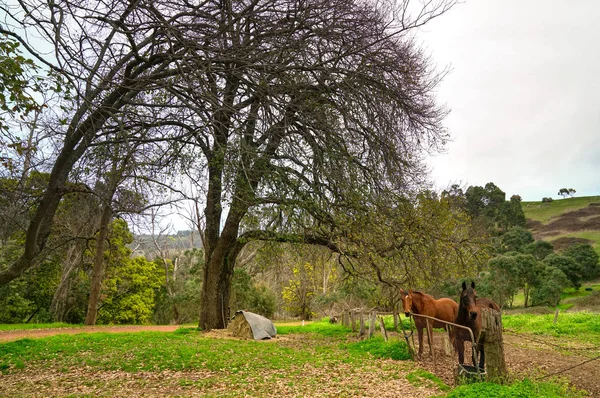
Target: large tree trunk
(218, 271)
(215, 293)
(58, 307)
(98, 269)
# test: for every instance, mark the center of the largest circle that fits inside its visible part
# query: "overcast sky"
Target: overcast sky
(524, 95)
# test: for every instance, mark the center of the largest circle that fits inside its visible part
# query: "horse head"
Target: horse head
(406, 301)
(468, 300)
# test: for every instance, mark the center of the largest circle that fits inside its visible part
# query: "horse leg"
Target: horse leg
(481, 356)
(459, 345)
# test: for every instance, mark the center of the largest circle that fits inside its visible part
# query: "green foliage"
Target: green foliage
(28, 298)
(299, 293)
(16, 82)
(551, 283)
(485, 201)
(130, 292)
(511, 213)
(179, 302)
(379, 348)
(501, 283)
(584, 255)
(571, 268)
(516, 239)
(247, 296)
(519, 389)
(540, 249)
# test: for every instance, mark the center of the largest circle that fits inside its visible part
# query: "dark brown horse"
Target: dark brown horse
(469, 314)
(421, 303)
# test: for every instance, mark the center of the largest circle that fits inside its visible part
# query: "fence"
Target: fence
(350, 318)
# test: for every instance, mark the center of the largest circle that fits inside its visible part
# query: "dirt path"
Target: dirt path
(537, 358)
(533, 357)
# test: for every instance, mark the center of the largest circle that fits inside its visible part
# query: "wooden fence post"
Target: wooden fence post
(362, 324)
(372, 323)
(493, 345)
(382, 327)
(353, 320)
(395, 320)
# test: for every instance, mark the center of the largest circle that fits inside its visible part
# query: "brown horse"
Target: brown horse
(424, 304)
(469, 314)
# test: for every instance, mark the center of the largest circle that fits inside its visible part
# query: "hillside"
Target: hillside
(565, 221)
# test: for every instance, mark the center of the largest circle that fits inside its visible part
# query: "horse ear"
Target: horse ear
(410, 291)
(464, 285)
(473, 284)
(402, 291)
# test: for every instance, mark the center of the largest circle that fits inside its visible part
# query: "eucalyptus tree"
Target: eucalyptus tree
(291, 115)
(108, 53)
(298, 112)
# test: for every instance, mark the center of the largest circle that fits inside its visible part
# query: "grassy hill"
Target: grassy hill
(565, 221)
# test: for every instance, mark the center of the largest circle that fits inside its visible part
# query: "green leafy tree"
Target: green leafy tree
(540, 249)
(528, 271)
(18, 83)
(564, 192)
(129, 293)
(516, 239)
(248, 296)
(511, 213)
(571, 268)
(502, 281)
(584, 255)
(551, 283)
(182, 303)
(299, 294)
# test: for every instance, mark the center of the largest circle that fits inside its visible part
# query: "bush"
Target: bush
(547, 200)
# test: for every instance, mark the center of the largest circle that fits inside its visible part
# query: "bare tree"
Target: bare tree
(108, 53)
(297, 111)
(290, 113)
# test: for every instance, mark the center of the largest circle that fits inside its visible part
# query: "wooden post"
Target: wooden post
(372, 321)
(353, 320)
(382, 327)
(395, 320)
(362, 324)
(493, 345)
(556, 316)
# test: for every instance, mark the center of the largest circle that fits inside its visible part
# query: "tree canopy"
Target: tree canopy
(286, 117)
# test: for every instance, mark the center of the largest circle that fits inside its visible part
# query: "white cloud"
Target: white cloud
(524, 94)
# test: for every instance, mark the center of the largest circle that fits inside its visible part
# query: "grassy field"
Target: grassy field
(543, 212)
(577, 327)
(318, 359)
(570, 298)
(28, 326)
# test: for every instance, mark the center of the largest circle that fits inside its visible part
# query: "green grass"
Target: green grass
(593, 236)
(543, 212)
(376, 346)
(422, 377)
(569, 297)
(322, 328)
(306, 358)
(28, 326)
(581, 327)
(519, 389)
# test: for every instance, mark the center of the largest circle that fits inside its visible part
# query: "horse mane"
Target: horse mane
(423, 295)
